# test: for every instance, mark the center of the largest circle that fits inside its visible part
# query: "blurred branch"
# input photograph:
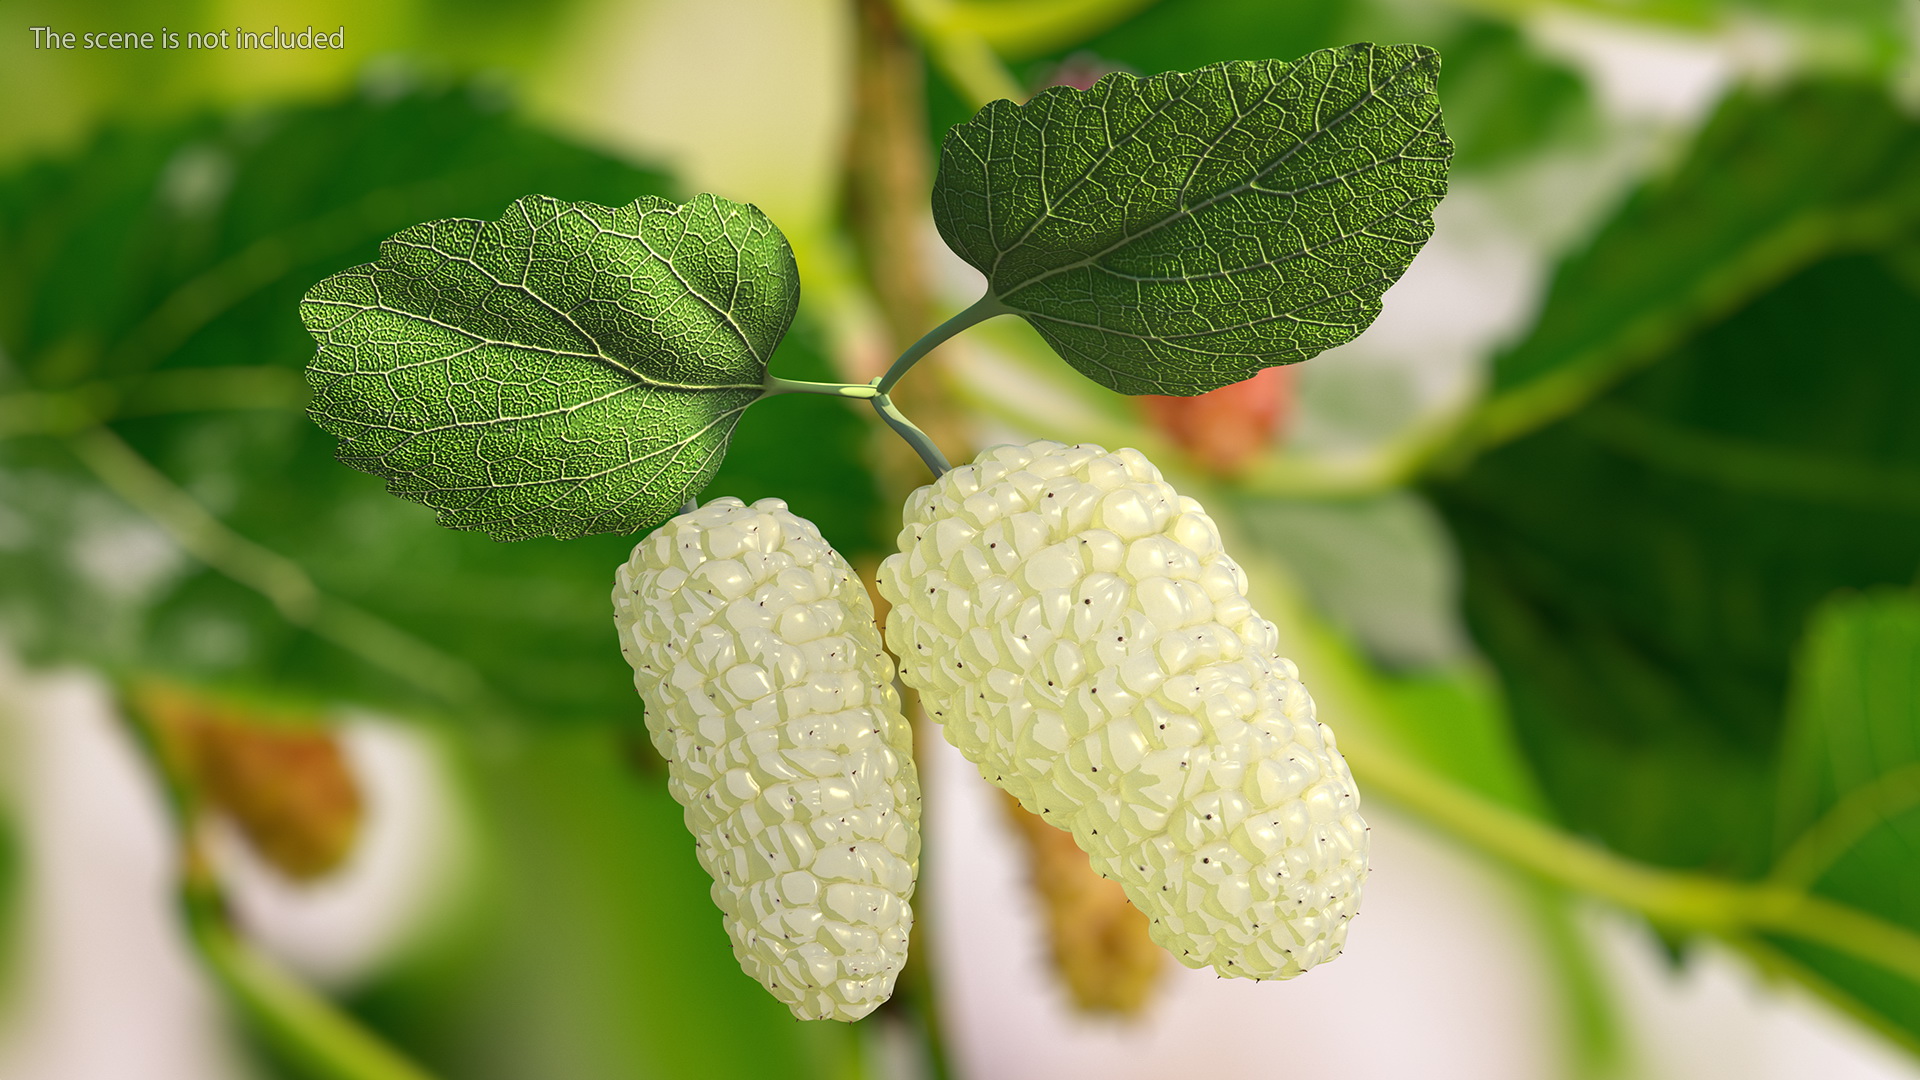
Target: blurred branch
(1025, 27)
(886, 300)
(305, 1027)
(1675, 899)
(962, 54)
(63, 412)
(1276, 474)
(281, 580)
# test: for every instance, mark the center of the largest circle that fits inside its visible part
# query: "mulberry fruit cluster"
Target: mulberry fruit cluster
(1074, 625)
(754, 647)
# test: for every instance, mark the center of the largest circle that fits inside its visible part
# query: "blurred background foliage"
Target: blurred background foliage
(1647, 581)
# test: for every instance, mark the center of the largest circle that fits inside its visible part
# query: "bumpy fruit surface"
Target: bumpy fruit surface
(1074, 625)
(754, 648)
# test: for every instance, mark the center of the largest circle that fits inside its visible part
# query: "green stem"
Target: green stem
(980, 311)
(306, 1028)
(776, 385)
(922, 444)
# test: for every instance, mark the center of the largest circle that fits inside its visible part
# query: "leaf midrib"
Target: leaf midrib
(478, 340)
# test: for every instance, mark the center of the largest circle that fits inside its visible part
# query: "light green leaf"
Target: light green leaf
(1851, 763)
(567, 369)
(1174, 234)
(1850, 788)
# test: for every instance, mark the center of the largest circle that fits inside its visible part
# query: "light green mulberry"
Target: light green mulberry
(754, 648)
(1074, 625)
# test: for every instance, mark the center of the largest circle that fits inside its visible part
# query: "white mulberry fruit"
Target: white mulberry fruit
(1074, 625)
(754, 648)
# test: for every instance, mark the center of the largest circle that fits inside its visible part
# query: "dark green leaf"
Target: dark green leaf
(1640, 572)
(567, 369)
(1173, 234)
(1854, 733)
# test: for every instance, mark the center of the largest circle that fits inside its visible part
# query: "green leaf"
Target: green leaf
(1174, 234)
(1854, 732)
(1850, 783)
(567, 369)
(1775, 182)
(152, 278)
(1640, 559)
(1641, 572)
(1506, 98)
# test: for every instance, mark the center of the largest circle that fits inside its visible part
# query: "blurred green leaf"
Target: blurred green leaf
(1850, 783)
(1774, 183)
(1639, 573)
(1026, 27)
(1174, 234)
(514, 374)
(159, 273)
(1504, 98)
(1382, 570)
(1853, 737)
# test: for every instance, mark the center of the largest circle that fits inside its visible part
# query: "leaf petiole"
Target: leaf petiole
(777, 385)
(922, 444)
(980, 311)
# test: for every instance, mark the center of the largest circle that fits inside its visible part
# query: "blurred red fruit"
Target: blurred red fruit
(1225, 430)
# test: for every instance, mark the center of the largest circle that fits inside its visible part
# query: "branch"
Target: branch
(197, 389)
